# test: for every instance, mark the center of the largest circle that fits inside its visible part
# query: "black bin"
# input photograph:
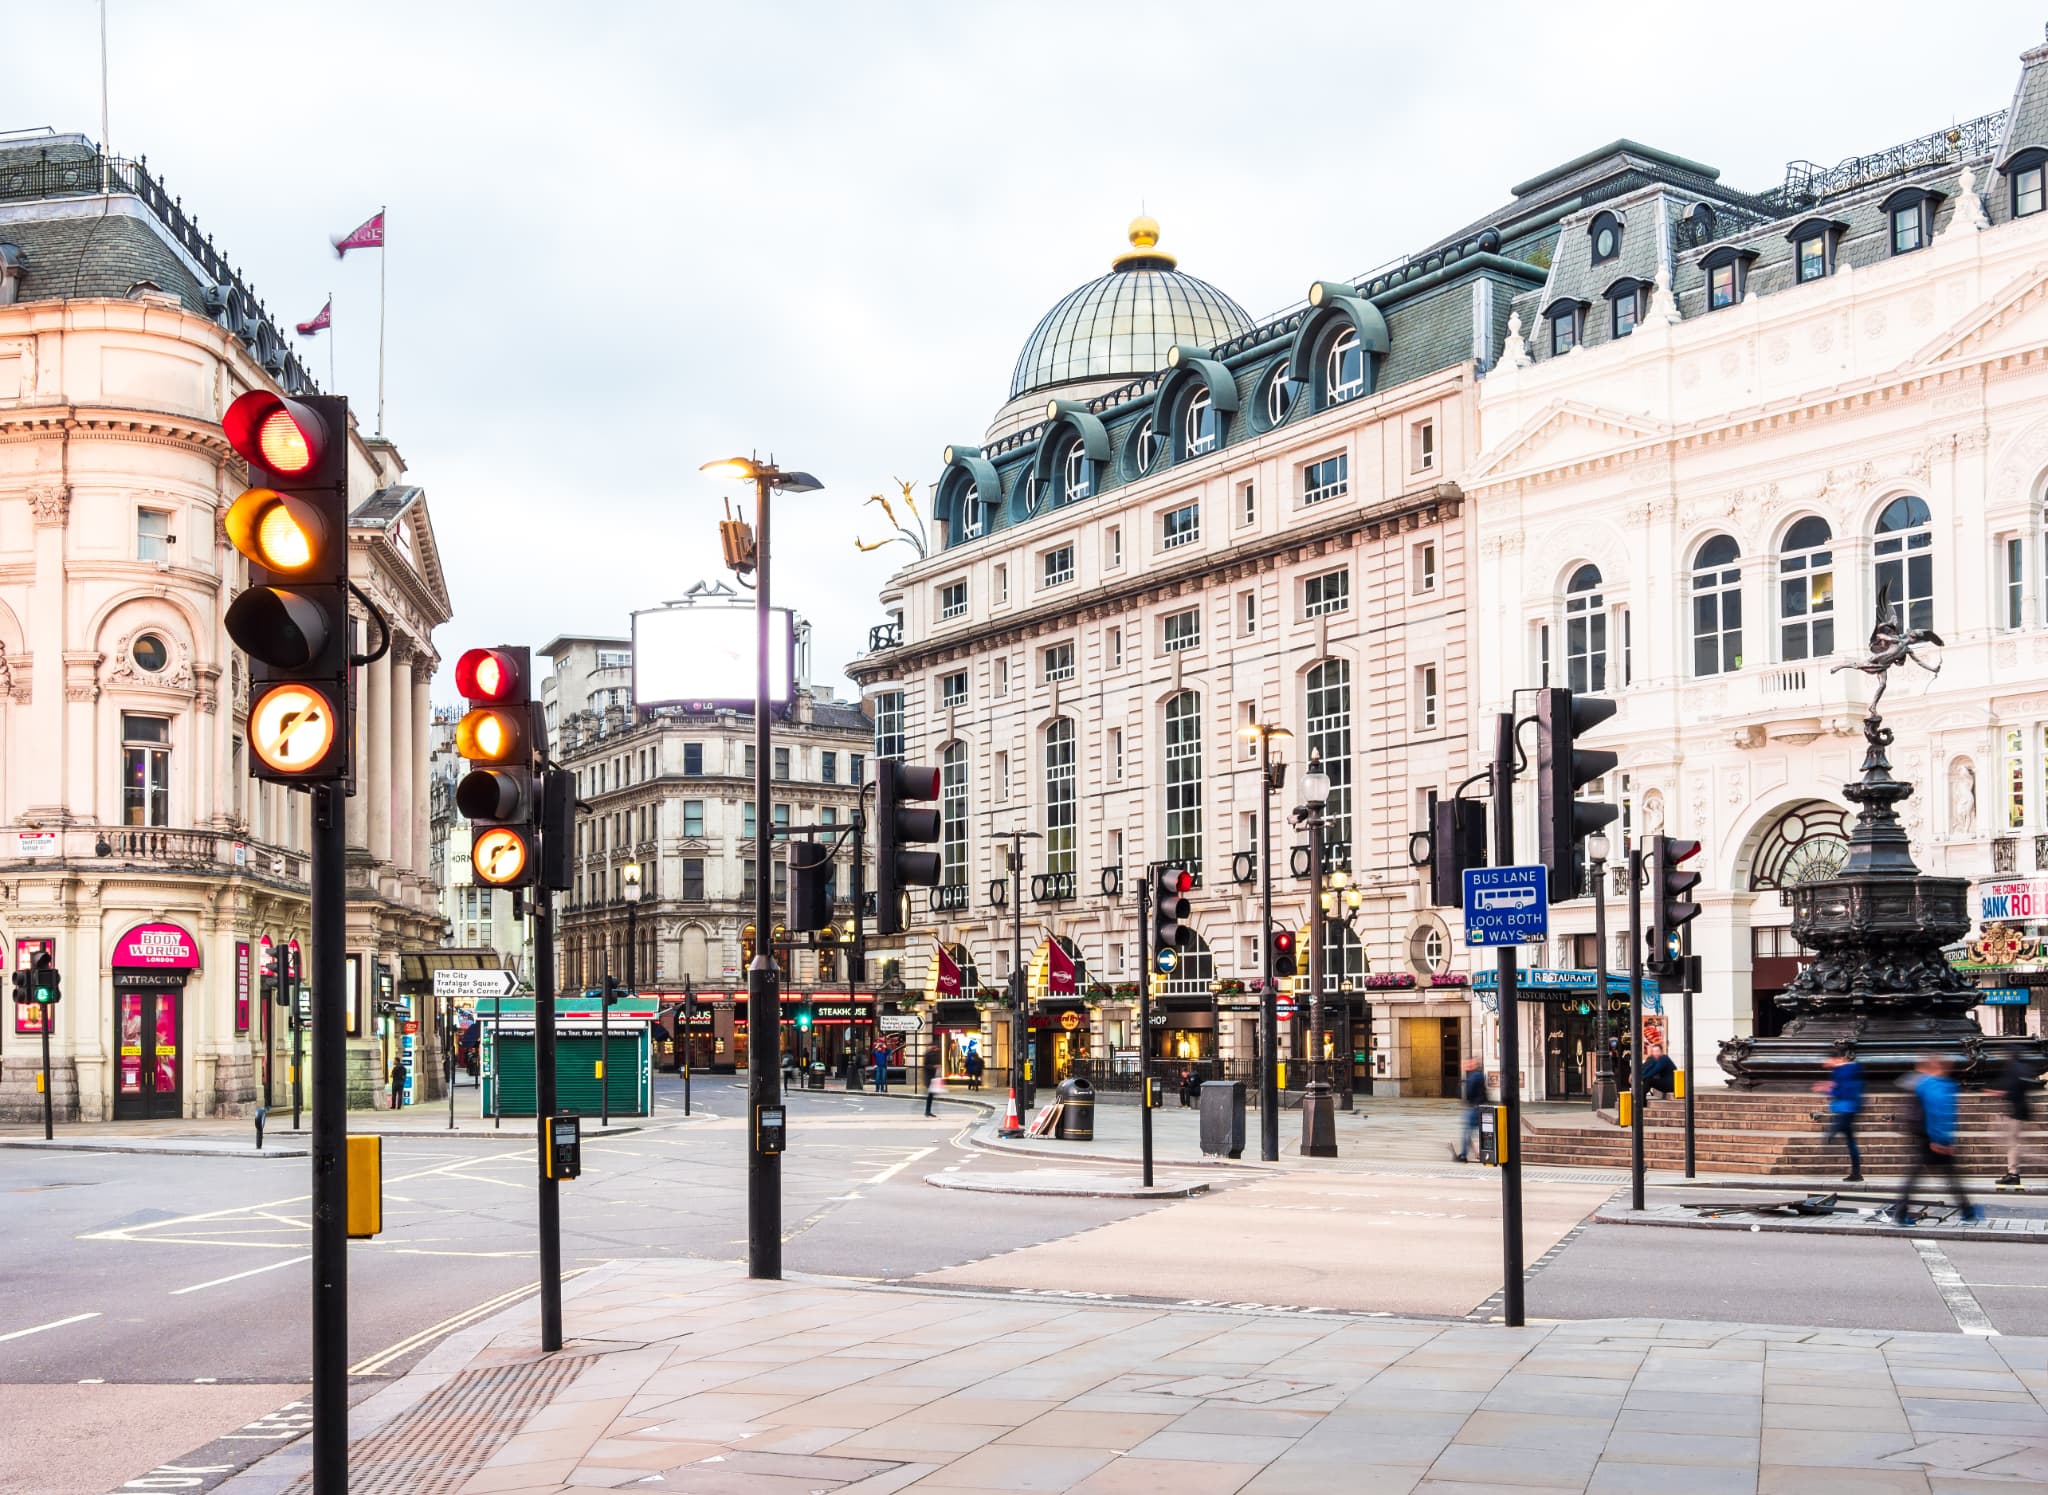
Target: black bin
(814, 1077)
(1223, 1118)
(1077, 1111)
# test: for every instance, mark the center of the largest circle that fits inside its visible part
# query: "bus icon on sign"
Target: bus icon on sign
(1506, 905)
(1505, 898)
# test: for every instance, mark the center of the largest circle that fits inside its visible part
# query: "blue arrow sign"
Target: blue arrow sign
(1506, 905)
(1165, 961)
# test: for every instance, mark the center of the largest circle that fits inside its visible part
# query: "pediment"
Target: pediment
(2012, 318)
(1564, 432)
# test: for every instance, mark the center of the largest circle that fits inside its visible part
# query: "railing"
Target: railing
(1784, 681)
(230, 301)
(1807, 181)
(1054, 887)
(949, 898)
(213, 852)
(885, 636)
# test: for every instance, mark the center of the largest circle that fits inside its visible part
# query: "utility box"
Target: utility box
(561, 1147)
(1494, 1142)
(1223, 1118)
(365, 1161)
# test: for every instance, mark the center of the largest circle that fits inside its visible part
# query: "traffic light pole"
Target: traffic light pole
(329, 1143)
(1510, 1036)
(1145, 1096)
(1691, 988)
(545, 1100)
(764, 995)
(47, 1016)
(604, 1042)
(1635, 1026)
(1269, 999)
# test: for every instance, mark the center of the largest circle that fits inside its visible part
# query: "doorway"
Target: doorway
(1426, 1056)
(148, 1082)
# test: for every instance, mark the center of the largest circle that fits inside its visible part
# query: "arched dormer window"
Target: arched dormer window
(1904, 554)
(966, 491)
(1699, 225)
(1909, 216)
(1585, 631)
(1813, 242)
(1279, 398)
(1567, 318)
(1335, 346)
(1626, 299)
(1074, 442)
(1077, 473)
(970, 512)
(1143, 449)
(1605, 233)
(1344, 368)
(1201, 426)
(1727, 275)
(2026, 176)
(1717, 607)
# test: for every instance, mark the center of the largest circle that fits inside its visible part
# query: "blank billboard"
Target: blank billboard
(701, 655)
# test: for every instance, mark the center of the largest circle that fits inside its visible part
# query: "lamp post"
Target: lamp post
(1318, 1107)
(764, 995)
(1603, 1068)
(1272, 778)
(629, 886)
(1022, 1082)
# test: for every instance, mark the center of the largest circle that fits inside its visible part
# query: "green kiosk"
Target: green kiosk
(506, 1054)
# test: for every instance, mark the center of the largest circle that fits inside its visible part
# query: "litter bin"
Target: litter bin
(1077, 1111)
(1223, 1118)
(814, 1078)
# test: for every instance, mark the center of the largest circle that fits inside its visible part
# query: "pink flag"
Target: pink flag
(1059, 969)
(948, 974)
(369, 236)
(322, 320)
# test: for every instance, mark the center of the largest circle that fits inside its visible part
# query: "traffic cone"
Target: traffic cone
(1012, 1125)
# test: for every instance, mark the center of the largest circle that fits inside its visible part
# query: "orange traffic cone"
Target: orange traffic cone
(1013, 1126)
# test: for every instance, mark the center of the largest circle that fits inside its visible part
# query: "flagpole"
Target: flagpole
(383, 256)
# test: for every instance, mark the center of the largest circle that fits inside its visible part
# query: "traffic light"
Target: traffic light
(1282, 943)
(1562, 769)
(898, 824)
(1457, 843)
(803, 1017)
(612, 990)
(496, 735)
(1671, 905)
(41, 984)
(810, 885)
(1170, 886)
(292, 618)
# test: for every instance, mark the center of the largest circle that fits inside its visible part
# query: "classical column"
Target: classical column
(401, 749)
(422, 749)
(377, 737)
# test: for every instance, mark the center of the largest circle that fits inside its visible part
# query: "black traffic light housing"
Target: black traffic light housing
(1457, 843)
(292, 619)
(1170, 905)
(1281, 942)
(810, 893)
(497, 736)
(899, 824)
(41, 984)
(1563, 820)
(1671, 905)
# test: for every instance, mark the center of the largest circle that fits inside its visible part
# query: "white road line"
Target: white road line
(76, 1318)
(1962, 1303)
(179, 1292)
(895, 1168)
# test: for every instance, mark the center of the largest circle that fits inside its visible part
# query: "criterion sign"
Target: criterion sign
(1506, 905)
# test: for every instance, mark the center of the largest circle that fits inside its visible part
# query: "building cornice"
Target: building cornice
(40, 422)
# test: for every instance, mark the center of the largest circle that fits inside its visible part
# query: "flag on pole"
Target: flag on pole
(945, 971)
(322, 320)
(370, 235)
(1059, 969)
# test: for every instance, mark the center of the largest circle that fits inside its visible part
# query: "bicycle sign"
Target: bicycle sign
(1506, 905)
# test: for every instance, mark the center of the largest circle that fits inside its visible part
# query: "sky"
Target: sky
(627, 238)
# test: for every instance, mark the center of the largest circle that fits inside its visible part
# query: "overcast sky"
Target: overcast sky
(626, 238)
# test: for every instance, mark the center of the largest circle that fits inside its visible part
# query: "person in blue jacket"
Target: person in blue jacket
(1934, 1115)
(1844, 1090)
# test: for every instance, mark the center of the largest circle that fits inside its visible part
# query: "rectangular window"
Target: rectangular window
(1906, 228)
(152, 535)
(1059, 566)
(1113, 547)
(1184, 781)
(828, 767)
(1625, 312)
(1422, 446)
(1116, 758)
(1002, 776)
(779, 882)
(1626, 621)
(2015, 582)
(953, 689)
(1425, 698)
(615, 659)
(1248, 613)
(1002, 583)
(2027, 192)
(953, 816)
(1247, 504)
(782, 763)
(856, 765)
(888, 725)
(1181, 526)
(748, 828)
(693, 817)
(1813, 257)
(953, 600)
(145, 769)
(747, 761)
(1564, 332)
(1059, 662)
(1248, 721)
(1061, 805)
(693, 878)
(2014, 779)
(1720, 287)
(1002, 677)
(781, 823)
(1328, 593)
(1181, 630)
(1425, 566)
(1115, 648)
(1329, 478)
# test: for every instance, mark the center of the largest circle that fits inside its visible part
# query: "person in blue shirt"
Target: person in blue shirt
(1934, 1108)
(1844, 1090)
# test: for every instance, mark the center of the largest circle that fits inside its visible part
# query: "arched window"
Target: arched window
(1077, 473)
(1717, 607)
(1279, 395)
(1195, 970)
(970, 511)
(953, 815)
(1059, 796)
(1144, 447)
(1905, 560)
(1806, 591)
(1032, 489)
(1606, 235)
(1329, 738)
(1585, 631)
(1202, 427)
(1344, 376)
(1184, 780)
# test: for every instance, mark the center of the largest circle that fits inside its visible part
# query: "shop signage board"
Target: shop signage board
(1550, 984)
(1506, 905)
(2004, 996)
(157, 947)
(2013, 900)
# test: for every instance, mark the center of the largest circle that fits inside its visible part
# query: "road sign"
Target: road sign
(1506, 905)
(499, 983)
(1165, 961)
(1283, 1007)
(900, 1022)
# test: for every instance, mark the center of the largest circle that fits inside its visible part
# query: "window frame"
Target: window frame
(1811, 570)
(1062, 796)
(953, 815)
(1610, 221)
(1192, 639)
(1280, 393)
(952, 691)
(1077, 473)
(1201, 425)
(1191, 533)
(1051, 576)
(1181, 777)
(1715, 585)
(1056, 662)
(1337, 389)
(146, 770)
(1904, 550)
(1567, 327)
(144, 542)
(1585, 630)
(2027, 164)
(1326, 478)
(1314, 604)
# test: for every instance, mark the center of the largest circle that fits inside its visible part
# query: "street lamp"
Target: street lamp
(764, 995)
(1318, 1107)
(1023, 1081)
(1603, 1067)
(1272, 778)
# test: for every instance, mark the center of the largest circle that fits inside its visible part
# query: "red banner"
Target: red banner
(322, 320)
(1059, 970)
(949, 973)
(369, 235)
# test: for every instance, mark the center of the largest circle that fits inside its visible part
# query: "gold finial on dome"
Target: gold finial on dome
(1144, 236)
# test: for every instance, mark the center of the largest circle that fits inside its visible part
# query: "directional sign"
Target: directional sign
(1506, 905)
(900, 1022)
(1165, 961)
(475, 983)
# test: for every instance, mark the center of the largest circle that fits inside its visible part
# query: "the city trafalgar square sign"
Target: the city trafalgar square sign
(498, 983)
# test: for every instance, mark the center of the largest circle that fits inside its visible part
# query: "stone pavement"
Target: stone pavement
(687, 1377)
(2006, 1218)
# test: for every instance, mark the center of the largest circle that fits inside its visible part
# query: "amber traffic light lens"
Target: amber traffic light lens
(283, 444)
(283, 541)
(291, 728)
(499, 856)
(277, 531)
(489, 736)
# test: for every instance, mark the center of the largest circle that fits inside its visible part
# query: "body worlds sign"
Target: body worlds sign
(2021, 900)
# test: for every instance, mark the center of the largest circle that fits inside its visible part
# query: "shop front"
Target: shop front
(839, 1030)
(1564, 1022)
(2007, 962)
(1184, 1035)
(1060, 1033)
(956, 1032)
(151, 967)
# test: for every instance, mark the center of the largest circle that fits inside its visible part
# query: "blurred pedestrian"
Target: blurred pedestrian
(398, 1082)
(1472, 1091)
(881, 1068)
(1934, 1128)
(1844, 1090)
(934, 1082)
(974, 1069)
(2015, 1084)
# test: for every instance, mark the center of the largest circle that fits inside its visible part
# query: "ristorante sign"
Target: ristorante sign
(157, 947)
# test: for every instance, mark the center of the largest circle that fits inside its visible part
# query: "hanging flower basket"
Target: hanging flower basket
(1449, 978)
(1229, 986)
(1389, 981)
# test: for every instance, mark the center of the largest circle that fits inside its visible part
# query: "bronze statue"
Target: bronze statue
(1892, 644)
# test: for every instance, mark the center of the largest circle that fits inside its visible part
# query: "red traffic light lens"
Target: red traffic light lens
(487, 675)
(1183, 882)
(1283, 941)
(273, 432)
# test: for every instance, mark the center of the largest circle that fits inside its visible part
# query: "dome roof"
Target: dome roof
(1123, 324)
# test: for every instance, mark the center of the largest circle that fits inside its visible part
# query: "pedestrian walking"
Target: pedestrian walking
(1934, 1126)
(1844, 1090)
(1472, 1091)
(974, 1069)
(934, 1082)
(398, 1082)
(2015, 1084)
(1659, 1073)
(881, 1068)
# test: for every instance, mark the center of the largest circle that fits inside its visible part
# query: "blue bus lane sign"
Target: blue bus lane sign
(1506, 905)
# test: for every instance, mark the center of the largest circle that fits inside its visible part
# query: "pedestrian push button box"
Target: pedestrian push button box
(771, 1128)
(561, 1150)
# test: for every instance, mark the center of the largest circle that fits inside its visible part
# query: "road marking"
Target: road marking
(895, 1168)
(1962, 1303)
(179, 1292)
(372, 1364)
(76, 1318)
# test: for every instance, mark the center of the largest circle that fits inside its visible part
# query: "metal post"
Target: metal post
(1145, 1097)
(604, 1046)
(299, 1021)
(448, 1056)
(764, 992)
(1635, 1027)
(497, 1068)
(1510, 1036)
(330, 1144)
(545, 1101)
(1269, 1001)
(689, 1032)
(1020, 986)
(1603, 1072)
(1691, 993)
(1318, 1106)
(269, 1040)
(47, 1016)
